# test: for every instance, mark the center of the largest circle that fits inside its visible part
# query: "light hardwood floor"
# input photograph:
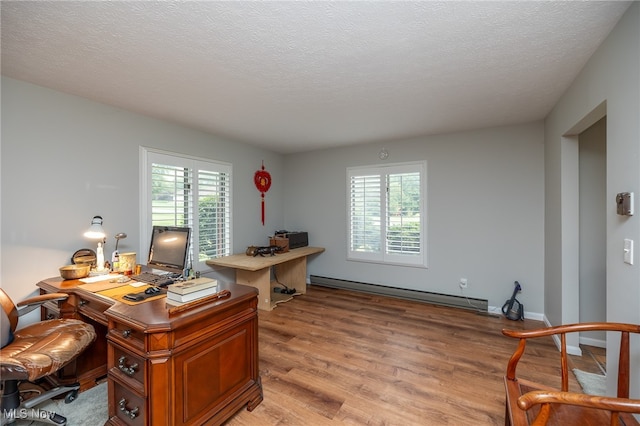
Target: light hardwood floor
(334, 357)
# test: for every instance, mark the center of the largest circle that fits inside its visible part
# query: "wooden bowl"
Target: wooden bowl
(73, 272)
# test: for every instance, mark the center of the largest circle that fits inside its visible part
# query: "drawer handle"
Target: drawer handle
(133, 413)
(83, 302)
(129, 371)
(126, 333)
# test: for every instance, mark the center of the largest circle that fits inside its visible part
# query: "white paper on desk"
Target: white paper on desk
(97, 278)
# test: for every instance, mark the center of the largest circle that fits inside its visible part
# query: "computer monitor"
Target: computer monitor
(169, 248)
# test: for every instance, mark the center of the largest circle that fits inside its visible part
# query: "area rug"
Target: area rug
(592, 384)
(89, 409)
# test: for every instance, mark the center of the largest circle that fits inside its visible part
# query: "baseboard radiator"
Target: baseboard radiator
(417, 295)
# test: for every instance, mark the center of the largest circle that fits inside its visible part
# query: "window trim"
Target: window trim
(145, 202)
(383, 258)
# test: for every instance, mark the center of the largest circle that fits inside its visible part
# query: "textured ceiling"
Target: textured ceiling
(298, 76)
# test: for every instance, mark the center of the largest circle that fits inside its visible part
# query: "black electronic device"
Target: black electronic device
(159, 280)
(512, 308)
(169, 248)
(296, 239)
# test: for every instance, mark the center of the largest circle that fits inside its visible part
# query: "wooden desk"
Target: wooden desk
(290, 270)
(192, 368)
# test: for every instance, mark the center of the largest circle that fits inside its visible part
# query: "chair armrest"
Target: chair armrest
(608, 403)
(572, 328)
(28, 305)
(12, 369)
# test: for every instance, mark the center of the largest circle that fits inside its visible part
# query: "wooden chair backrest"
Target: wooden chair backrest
(563, 330)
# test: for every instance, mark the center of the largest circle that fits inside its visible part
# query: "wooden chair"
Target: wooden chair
(529, 403)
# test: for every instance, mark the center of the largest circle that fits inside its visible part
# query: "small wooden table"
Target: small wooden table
(290, 270)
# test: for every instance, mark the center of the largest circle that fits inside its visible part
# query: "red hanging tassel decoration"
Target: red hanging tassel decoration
(262, 180)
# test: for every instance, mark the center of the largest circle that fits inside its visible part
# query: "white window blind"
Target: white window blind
(192, 192)
(214, 214)
(365, 213)
(171, 199)
(387, 214)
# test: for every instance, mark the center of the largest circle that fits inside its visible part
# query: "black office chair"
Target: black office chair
(36, 351)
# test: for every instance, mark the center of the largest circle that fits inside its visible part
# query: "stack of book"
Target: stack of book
(188, 291)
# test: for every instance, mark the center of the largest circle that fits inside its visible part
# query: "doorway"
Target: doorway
(592, 228)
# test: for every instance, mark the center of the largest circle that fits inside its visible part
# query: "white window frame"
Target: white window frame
(149, 156)
(383, 256)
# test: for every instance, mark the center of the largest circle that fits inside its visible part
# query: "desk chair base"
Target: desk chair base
(13, 410)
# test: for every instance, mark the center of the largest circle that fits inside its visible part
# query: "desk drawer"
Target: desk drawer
(129, 368)
(93, 308)
(126, 336)
(130, 408)
(50, 311)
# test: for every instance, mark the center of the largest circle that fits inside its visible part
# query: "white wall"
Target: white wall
(485, 206)
(66, 159)
(611, 78)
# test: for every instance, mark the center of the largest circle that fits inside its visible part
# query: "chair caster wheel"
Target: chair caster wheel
(71, 396)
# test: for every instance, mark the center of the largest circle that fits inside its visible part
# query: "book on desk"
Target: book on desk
(191, 290)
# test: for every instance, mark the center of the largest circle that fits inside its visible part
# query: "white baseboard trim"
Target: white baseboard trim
(534, 316)
(571, 350)
(593, 342)
(494, 310)
(527, 315)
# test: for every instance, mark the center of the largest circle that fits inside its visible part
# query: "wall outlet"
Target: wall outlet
(464, 283)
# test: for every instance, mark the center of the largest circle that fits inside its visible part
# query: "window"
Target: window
(387, 214)
(186, 191)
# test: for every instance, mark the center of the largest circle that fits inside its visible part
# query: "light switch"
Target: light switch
(628, 251)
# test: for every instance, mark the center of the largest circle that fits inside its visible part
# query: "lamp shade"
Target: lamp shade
(95, 231)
